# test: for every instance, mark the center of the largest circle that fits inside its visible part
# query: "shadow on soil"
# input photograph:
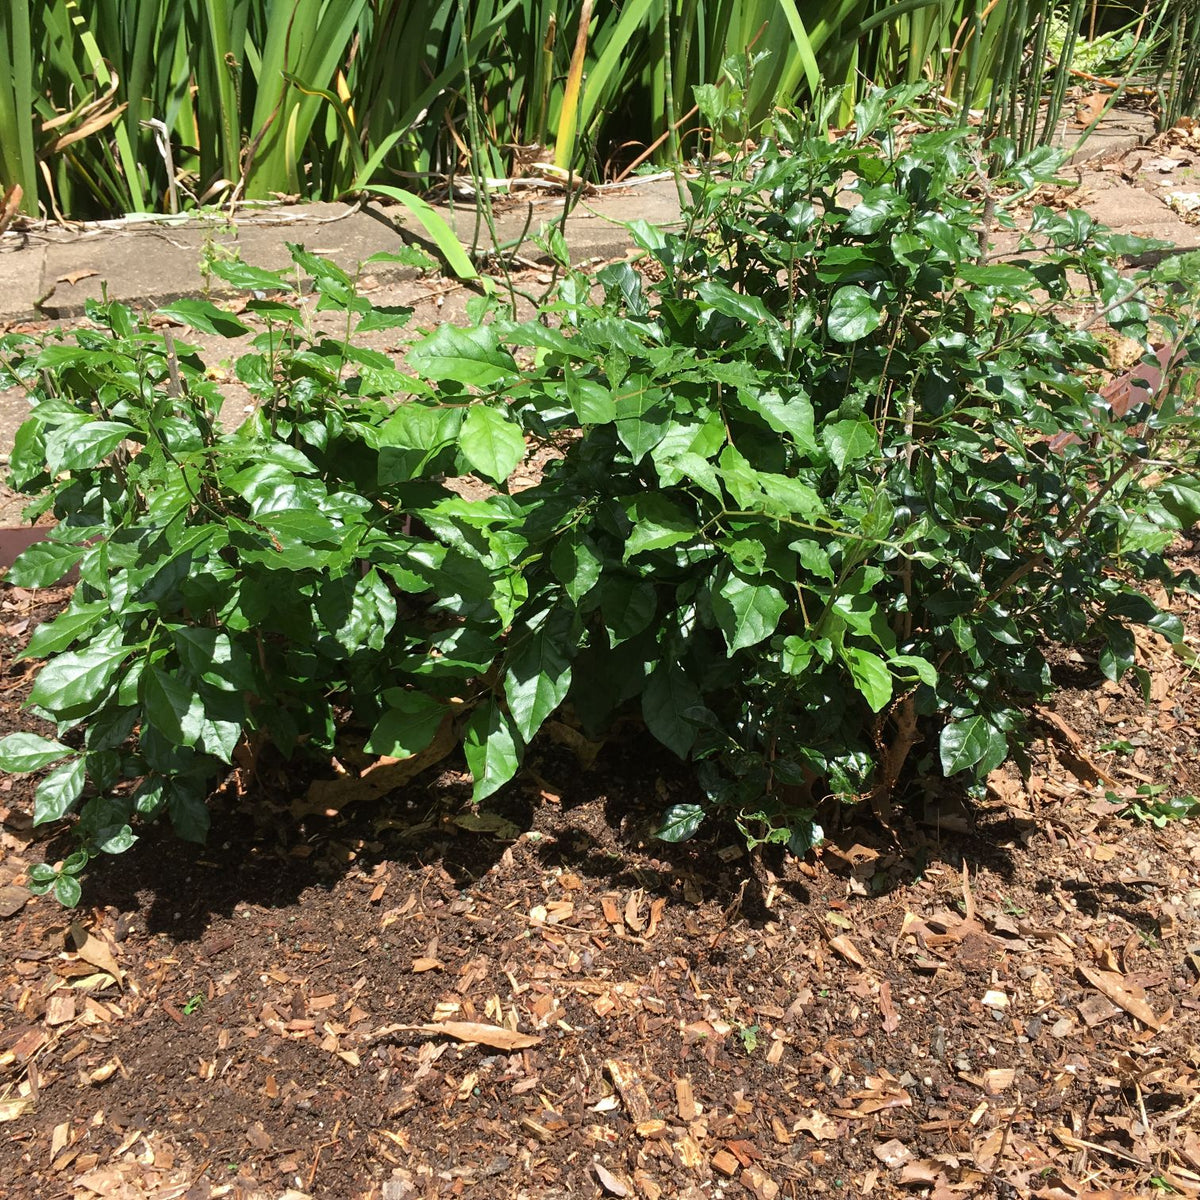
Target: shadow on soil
(598, 825)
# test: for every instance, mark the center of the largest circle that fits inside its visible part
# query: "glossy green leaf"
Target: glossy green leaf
(471, 357)
(20, 752)
(853, 314)
(538, 676)
(205, 316)
(668, 695)
(871, 676)
(641, 416)
(679, 822)
(57, 794)
(850, 440)
(74, 682)
(972, 743)
(491, 442)
(747, 611)
(73, 622)
(172, 706)
(43, 564)
(408, 725)
(68, 891)
(576, 564)
(657, 524)
(491, 750)
(76, 447)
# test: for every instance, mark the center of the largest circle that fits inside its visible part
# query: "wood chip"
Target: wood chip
(685, 1101)
(633, 1094)
(892, 1154)
(724, 1162)
(13, 898)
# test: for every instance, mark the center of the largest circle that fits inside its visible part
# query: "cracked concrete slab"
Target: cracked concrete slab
(54, 272)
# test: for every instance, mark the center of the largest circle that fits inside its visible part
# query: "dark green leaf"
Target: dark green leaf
(848, 441)
(172, 706)
(679, 822)
(538, 676)
(408, 725)
(747, 611)
(669, 694)
(871, 676)
(76, 447)
(472, 357)
(206, 317)
(43, 564)
(853, 314)
(74, 682)
(628, 606)
(189, 813)
(576, 564)
(974, 742)
(491, 750)
(67, 890)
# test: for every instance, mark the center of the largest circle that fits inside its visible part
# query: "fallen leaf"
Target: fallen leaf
(891, 1018)
(609, 1181)
(1109, 984)
(848, 950)
(73, 277)
(92, 950)
(818, 1124)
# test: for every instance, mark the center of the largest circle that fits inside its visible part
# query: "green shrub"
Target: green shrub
(827, 486)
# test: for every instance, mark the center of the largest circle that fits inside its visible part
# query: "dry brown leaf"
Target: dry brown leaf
(73, 277)
(848, 950)
(633, 918)
(473, 1032)
(1109, 984)
(818, 1124)
(609, 1181)
(327, 797)
(94, 951)
(891, 1018)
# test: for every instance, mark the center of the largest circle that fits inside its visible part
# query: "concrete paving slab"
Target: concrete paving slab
(21, 267)
(55, 272)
